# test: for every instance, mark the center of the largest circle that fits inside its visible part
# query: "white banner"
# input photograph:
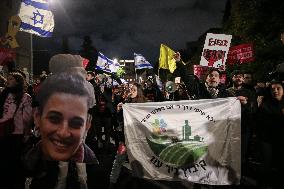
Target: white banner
(195, 140)
(215, 50)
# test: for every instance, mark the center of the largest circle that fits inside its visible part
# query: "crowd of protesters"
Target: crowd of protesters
(262, 105)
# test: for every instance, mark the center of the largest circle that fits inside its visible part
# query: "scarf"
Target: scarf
(70, 174)
(213, 91)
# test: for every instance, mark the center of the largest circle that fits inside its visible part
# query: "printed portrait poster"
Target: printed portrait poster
(215, 50)
(191, 140)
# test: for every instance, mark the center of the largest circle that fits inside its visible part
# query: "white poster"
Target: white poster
(215, 50)
(193, 140)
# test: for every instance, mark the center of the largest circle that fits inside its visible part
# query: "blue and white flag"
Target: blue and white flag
(141, 62)
(106, 64)
(36, 17)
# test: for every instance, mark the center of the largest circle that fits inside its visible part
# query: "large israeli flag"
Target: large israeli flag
(106, 64)
(36, 18)
(141, 62)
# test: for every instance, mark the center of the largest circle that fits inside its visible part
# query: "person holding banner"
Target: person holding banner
(248, 104)
(135, 96)
(212, 87)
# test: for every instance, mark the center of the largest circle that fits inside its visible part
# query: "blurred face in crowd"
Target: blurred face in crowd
(133, 91)
(277, 91)
(213, 79)
(63, 124)
(238, 80)
(89, 77)
(115, 90)
(248, 79)
(11, 81)
(260, 85)
(149, 84)
(37, 81)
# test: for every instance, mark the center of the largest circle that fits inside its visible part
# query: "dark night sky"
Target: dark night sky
(120, 27)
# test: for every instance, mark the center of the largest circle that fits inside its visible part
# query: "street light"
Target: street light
(51, 1)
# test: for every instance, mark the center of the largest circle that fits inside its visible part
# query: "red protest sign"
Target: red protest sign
(85, 62)
(200, 71)
(241, 54)
(6, 55)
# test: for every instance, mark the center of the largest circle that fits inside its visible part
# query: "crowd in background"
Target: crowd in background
(262, 104)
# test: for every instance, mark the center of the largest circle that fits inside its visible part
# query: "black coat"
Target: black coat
(204, 94)
(44, 173)
(270, 120)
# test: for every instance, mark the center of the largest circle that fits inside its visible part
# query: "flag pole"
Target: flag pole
(31, 61)
(136, 77)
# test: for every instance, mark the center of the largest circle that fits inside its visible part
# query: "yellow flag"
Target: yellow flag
(166, 60)
(13, 27)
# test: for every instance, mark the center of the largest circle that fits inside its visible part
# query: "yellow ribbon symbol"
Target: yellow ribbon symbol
(13, 28)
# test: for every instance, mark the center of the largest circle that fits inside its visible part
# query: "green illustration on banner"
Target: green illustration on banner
(177, 151)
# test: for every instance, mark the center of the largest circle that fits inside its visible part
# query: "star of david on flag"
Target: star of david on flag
(141, 62)
(106, 64)
(36, 18)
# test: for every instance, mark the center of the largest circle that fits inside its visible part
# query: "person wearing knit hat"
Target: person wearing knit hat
(67, 62)
(72, 64)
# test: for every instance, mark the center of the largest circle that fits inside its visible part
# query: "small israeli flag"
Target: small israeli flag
(106, 64)
(141, 62)
(36, 18)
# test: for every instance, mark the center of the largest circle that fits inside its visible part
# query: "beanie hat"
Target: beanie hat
(70, 63)
(66, 62)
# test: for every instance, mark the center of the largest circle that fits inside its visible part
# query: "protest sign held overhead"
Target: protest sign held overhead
(215, 50)
(241, 54)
